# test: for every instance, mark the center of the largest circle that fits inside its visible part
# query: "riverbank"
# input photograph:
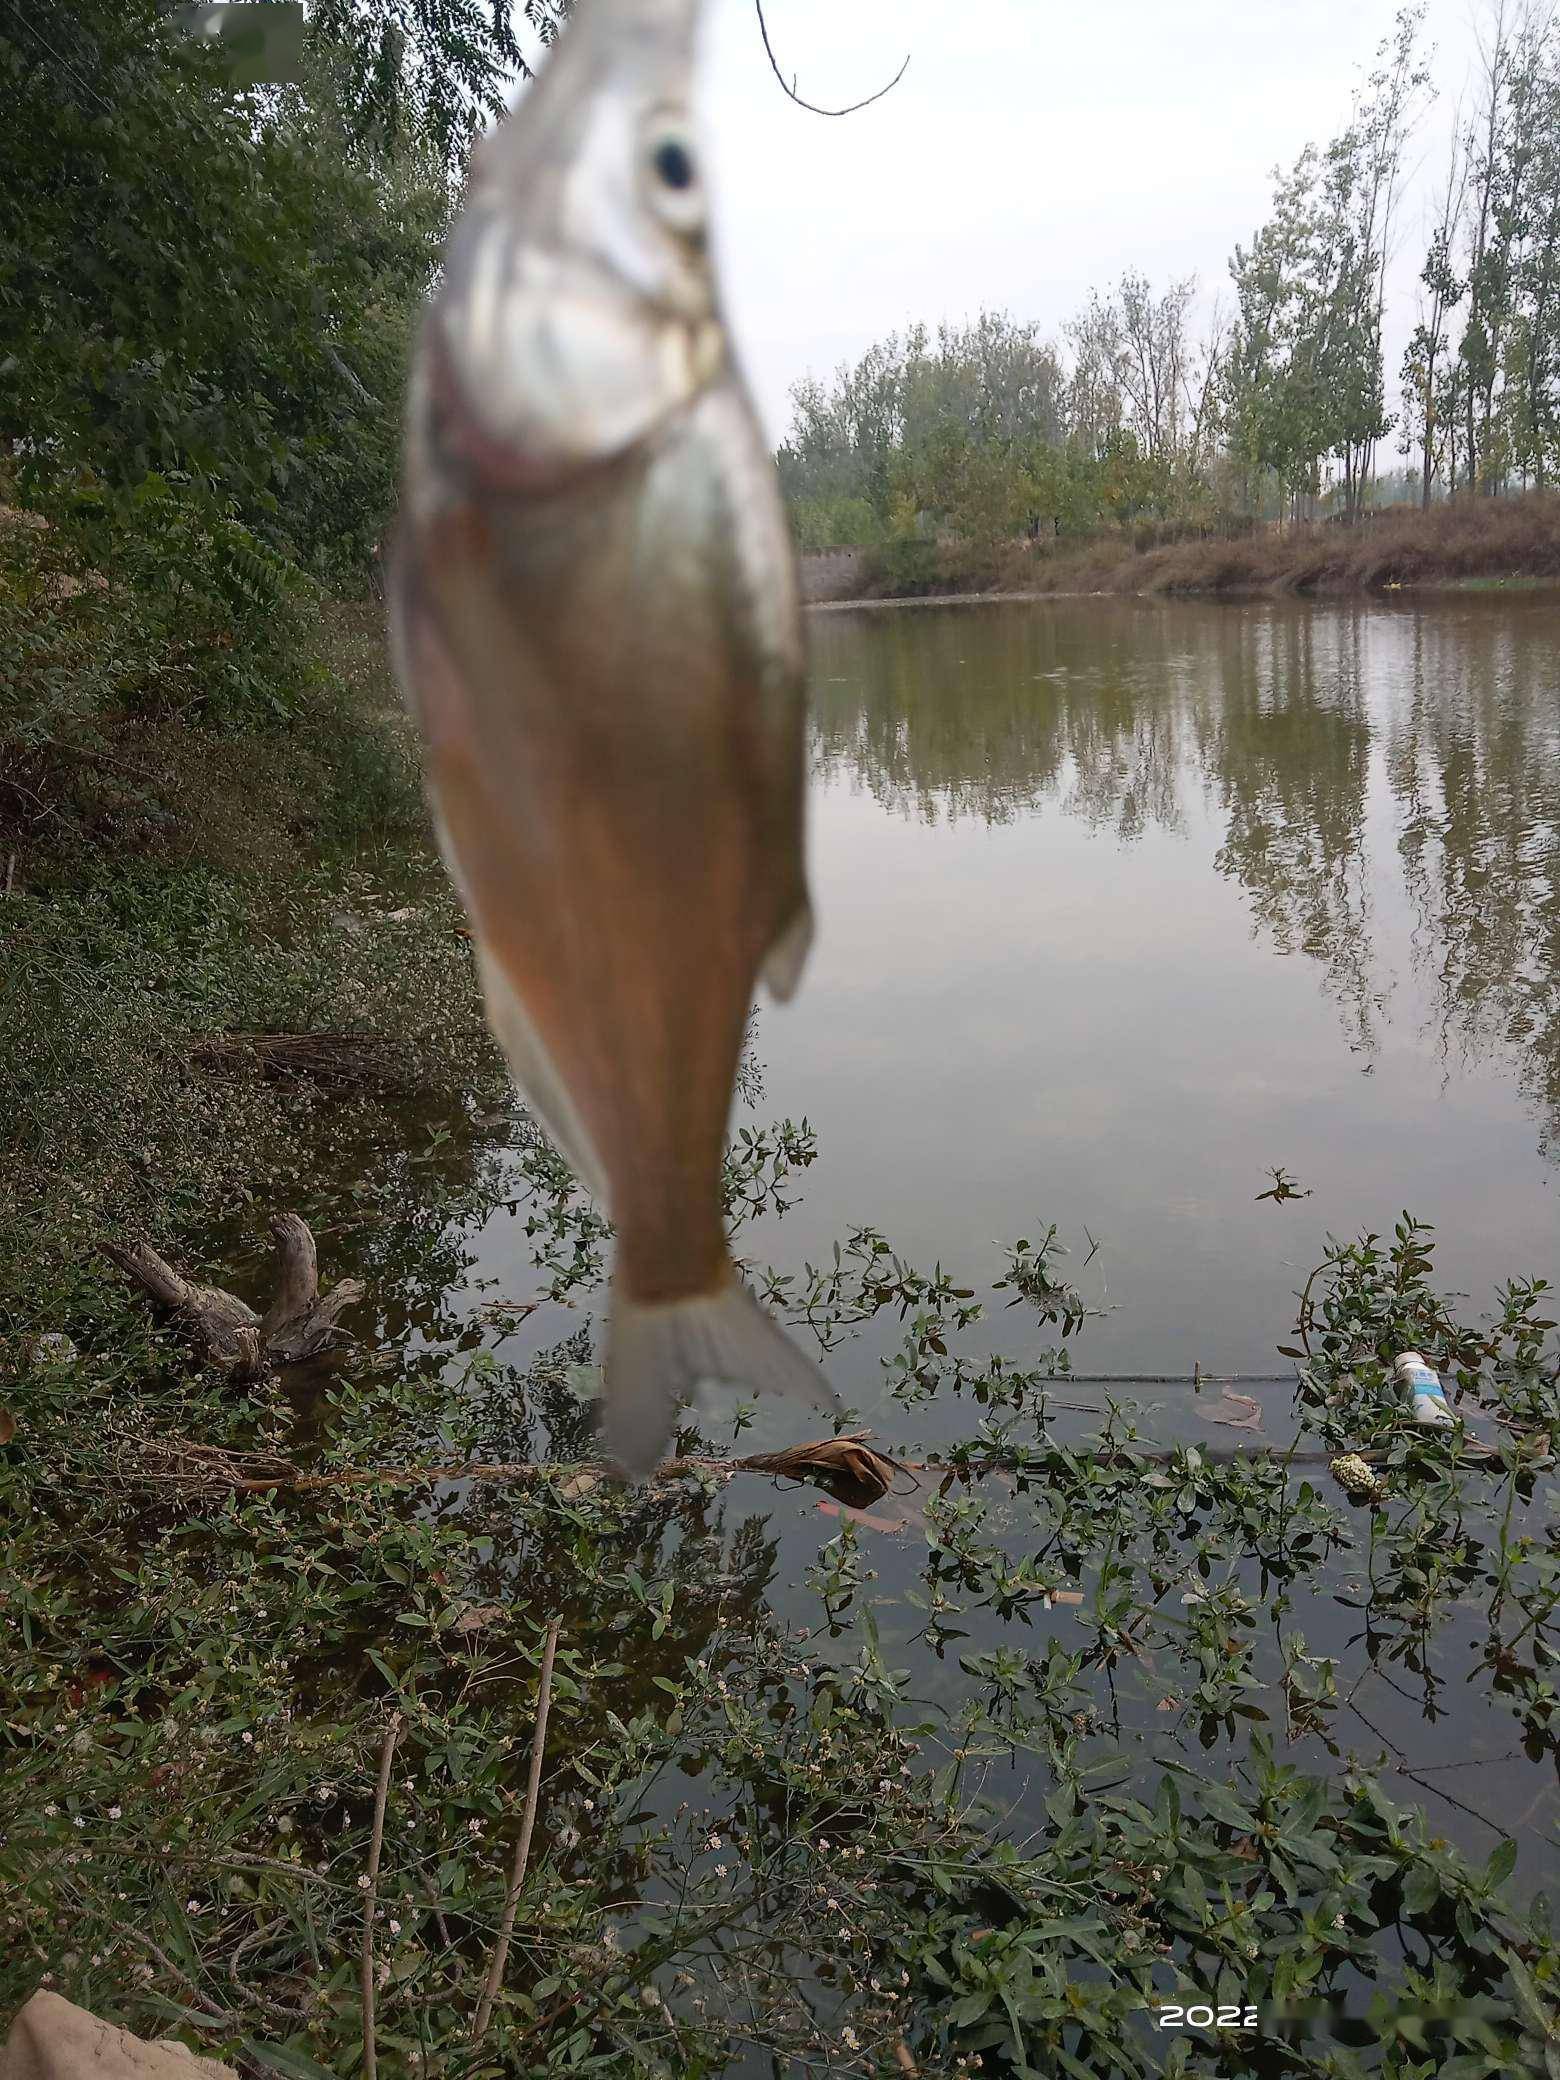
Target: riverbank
(226, 952)
(1482, 544)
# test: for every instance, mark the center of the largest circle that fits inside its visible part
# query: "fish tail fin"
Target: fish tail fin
(658, 1352)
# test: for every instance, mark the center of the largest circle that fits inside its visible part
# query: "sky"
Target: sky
(1034, 150)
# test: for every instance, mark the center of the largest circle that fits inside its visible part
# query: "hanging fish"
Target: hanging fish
(595, 618)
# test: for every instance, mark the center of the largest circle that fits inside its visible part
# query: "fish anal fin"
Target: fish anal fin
(536, 1077)
(785, 960)
(659, 1353)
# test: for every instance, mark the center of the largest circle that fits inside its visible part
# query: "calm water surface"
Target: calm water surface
(1124, 904)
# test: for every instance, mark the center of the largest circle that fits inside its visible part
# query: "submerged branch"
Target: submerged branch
(849, 1468)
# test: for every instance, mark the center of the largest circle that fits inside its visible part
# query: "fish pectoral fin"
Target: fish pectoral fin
(785, 960)
(659, 1353)
(536, 1078)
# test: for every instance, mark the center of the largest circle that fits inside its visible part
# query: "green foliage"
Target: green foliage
(843, 522)
(206, 307)
(200, 284)
(754, 1833)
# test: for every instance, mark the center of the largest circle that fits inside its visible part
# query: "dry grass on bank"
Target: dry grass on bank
(1484, 539)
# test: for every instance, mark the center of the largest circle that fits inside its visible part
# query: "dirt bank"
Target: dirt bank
(1480, 542)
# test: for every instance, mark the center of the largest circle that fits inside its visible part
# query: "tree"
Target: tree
(432, 70)
(1304, 383)
(197, 282)
(1511, 159)
(1533, 358)
(1441, 292)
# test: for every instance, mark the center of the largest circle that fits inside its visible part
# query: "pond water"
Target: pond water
(1123, 908)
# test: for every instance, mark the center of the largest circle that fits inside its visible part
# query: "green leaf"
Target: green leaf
(1220, 1803)
(1502, 1862)
(282, 2058)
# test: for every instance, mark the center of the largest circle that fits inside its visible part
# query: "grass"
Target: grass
(174, 882)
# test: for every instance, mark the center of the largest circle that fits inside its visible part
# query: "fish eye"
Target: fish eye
(674, 163)
(672, 166)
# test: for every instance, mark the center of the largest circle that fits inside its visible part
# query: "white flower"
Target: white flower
(363, 1883)
(720, 1870)
(248, 1739)
(849, 2038)
(51, 1812)
(114, 1812)
(823, 1841)
(395, 1928)
(78, 1821)
(192, 1906)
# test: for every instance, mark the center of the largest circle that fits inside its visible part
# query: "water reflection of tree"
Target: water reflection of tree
(1289, 758)
(1474, 760)
(944, 717)
(1116, 711)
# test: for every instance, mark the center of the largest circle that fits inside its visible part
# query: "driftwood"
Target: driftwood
(301, 1323)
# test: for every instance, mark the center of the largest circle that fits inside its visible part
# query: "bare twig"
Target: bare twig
(790, 85)
(370, 1893)
(219, 2018)
(495, 1977)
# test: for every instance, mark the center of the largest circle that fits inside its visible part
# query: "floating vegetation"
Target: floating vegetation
(1096, 1741)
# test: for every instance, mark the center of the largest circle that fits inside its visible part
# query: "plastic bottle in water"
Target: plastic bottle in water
(1422, 1388)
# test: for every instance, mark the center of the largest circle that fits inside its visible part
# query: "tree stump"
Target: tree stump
(300, 1324)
